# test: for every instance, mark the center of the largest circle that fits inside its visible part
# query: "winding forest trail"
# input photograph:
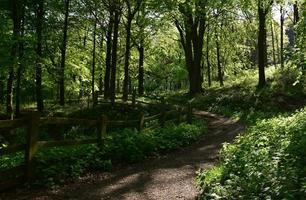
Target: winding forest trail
(166, 178)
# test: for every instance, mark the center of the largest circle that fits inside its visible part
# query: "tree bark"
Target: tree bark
(63, 55)
(296, 12)
(21, 62)
(14, 56)
(192, 39)
(39, 27)
(108, 59)
(273, 43)
(93, 63)
(101, 68)
(114, 56)
(208, 61)
(141, 70)
(282, 37)
(220, 73)
(262, 46)
(127, 58)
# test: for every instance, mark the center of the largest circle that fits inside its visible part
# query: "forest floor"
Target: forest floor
(171, 176)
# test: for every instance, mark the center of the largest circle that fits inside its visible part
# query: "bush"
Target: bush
(57, 165)
(268, 162)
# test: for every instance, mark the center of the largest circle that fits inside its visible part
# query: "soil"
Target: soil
(169, 177)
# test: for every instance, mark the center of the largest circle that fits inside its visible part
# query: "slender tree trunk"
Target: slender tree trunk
(296, 12)
(93, 63)
(21, 57)
(277, 48)
(114, 57)
(273, 43)
(262, 47)
(208, 61)
(63, 55)
(39, 27)
(14, 56)
(108, 60)
(282, 37)
(127, 58)
(101, 68)
(141, 70)
(1, 92)
(220, 74)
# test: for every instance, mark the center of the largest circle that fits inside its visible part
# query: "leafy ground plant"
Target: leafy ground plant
(58, 165)
(268, 162)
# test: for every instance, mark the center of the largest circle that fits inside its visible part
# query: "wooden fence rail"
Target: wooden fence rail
(33, 122)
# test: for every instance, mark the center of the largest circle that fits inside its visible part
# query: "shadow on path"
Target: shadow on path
(166, 178)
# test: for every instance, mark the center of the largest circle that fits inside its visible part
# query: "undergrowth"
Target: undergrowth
(61, 164)
(267, 162)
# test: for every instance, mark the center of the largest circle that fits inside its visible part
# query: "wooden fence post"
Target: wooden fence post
(102, 128)
(189, 114)
(141, 122)
(31, 146)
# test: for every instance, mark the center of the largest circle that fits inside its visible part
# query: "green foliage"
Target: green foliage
(57, 165)
(268, 162)
(241, 99)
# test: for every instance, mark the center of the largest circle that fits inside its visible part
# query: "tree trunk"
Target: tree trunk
(63, 55)
(101, 68)
(127, 58)
(220, 73)
(296, 12)
(14, 56)
(262, 47)
(208, 61)
(141, 70)
(192, 39)
(282, 37)
(40, 15)
(114, 57)
(108, 59)
(273, 43)
(93, 63)
(21, 62)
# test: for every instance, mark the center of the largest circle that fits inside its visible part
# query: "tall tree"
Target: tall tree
(207, 59)
(131, 12)
(39, 52)
(192, 39)
(108, 60)
(220, 73)
(273, 43)
(282, 36)
(21, 59)
(296, 12)
(117, 17)
(15, 8)
(63, 54)
(264, 8)
(93, 69)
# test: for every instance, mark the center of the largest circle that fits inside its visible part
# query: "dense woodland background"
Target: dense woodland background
(245, 59)
(59, 50)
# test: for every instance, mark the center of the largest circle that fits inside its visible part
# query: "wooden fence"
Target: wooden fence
(32, 122)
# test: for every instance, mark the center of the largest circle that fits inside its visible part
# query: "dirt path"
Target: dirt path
(166, 178)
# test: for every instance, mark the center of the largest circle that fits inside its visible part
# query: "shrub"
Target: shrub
(268, 162)
(57, 165)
